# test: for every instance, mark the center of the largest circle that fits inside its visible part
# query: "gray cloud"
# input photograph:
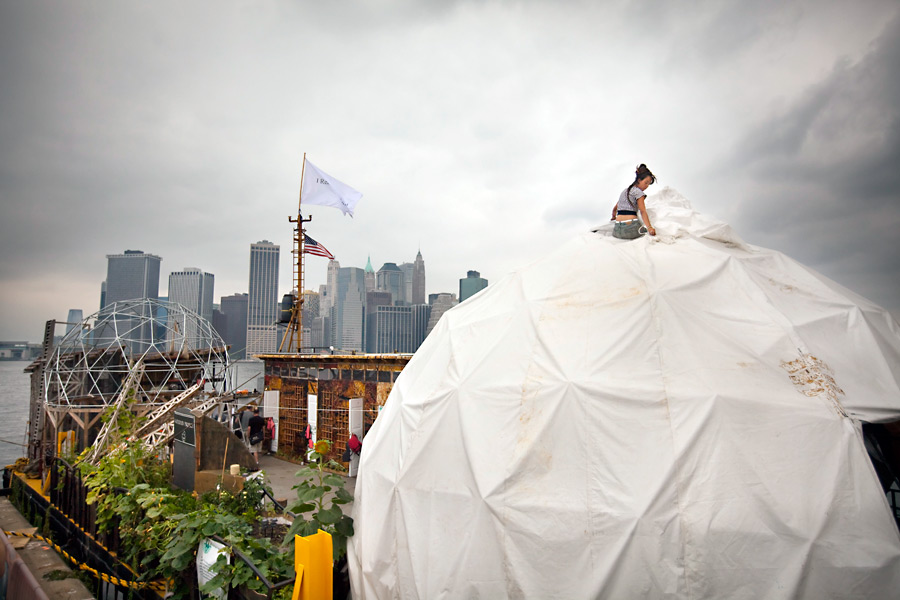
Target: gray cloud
(472, 129)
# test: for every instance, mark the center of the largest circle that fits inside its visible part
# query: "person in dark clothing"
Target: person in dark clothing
(255, 428)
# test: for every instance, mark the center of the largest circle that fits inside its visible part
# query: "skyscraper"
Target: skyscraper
(193, 289)
(348, 312)
(390, 279)
(440, 303)
(407, 285)
(370, 276)
(471, 285)
(74, 319)
(418, 280)
(262, 301)
(234, 332)
(129, 276)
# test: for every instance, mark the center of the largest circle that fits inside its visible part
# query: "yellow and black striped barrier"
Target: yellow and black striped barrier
(158, 586)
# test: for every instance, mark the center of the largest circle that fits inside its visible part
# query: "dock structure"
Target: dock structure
(326, 383)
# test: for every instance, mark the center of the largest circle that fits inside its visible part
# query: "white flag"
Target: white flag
(324, 190)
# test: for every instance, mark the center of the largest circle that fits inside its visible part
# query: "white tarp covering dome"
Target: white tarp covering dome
(673, 417)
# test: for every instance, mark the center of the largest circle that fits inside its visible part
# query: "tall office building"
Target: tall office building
(471, 285)
(193, 289)
(370, 276)
(407, 286)
(263, 300)
(390, 279)
(327, 301)
(74, 319)
(440, 303)
(130, 276)
(348, 312)
(374, 299)
(233, 327)
(418, 280)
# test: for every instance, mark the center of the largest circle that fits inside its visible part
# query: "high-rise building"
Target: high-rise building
(309, 312)
(440, 303)
(418, 280)
(193, 289)
(374, 299)
(406, 287)
(233, 329)
(390, 279)
(330, 287)
(370, 276)
(263, 300)
(471, 285)
(421, 314)
(74, 319)
(130, 276)
(103, 294)
(348, 312)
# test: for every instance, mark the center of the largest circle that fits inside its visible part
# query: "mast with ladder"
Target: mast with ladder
(292, 338)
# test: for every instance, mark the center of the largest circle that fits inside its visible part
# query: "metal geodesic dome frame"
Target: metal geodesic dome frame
(175, 346)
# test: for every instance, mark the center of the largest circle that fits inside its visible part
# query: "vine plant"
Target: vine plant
(160, 528)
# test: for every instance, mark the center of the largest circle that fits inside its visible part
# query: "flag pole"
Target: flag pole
(295, 325)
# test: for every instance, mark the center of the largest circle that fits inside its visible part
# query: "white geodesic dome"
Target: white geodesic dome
(175, 345)
(675, 416)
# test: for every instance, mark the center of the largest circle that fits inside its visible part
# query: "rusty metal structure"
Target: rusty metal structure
(333, 380)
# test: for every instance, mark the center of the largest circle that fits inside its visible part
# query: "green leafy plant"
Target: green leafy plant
(320, 497)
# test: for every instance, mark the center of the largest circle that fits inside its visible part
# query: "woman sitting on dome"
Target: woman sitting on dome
(631, 200)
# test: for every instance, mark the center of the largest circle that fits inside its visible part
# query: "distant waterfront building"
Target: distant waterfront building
(103, 294)
(193, 289)
(74, 319)
(390, 279)
(233, 324)
(348, 312)
(309, 312)
(406, 288)
(392, 329)
(418, 280)
(326, 303)
(421, 315)
(370, 276)
(374, 300)
(130, 276)
(440, 303)
(263, 301)
(471, 285)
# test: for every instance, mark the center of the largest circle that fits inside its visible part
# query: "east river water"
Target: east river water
(14, 397)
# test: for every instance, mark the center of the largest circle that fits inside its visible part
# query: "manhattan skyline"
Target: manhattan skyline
(180, 130)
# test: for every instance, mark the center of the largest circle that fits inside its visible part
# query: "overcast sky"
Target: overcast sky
(482, 133)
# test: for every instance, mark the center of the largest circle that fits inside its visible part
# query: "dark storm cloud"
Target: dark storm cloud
(821, 178)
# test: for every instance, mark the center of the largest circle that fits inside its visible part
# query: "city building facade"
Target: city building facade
(471, 285)
(263, 300)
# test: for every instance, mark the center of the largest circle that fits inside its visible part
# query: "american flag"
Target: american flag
(311, 246)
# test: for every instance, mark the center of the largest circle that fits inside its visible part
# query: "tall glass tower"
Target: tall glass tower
(193, 289)
(130, 276)
(262, 301)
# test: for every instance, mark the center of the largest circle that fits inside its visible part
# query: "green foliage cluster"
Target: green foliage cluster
(161, 528)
